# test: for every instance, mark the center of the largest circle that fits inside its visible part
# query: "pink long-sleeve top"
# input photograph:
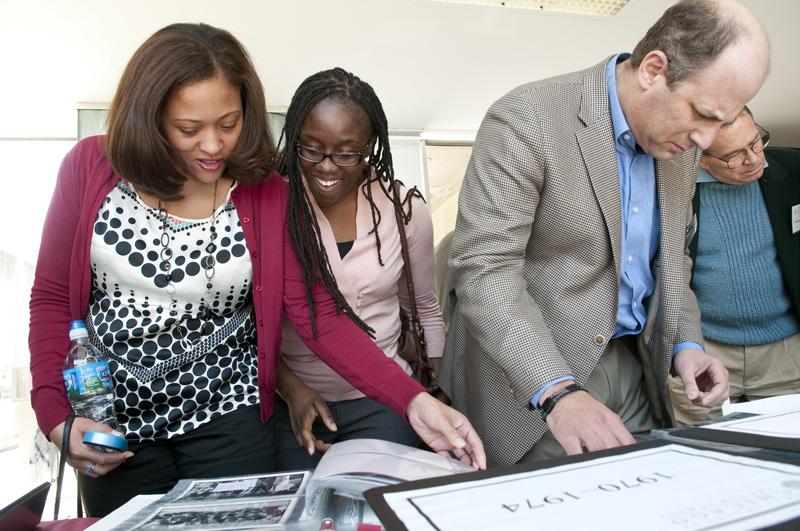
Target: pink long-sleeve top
(374, 292)
(62, 286)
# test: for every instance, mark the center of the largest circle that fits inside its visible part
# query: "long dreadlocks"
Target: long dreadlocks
(303, 226)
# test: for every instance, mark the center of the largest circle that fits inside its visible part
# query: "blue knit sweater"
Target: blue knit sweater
(737, 277)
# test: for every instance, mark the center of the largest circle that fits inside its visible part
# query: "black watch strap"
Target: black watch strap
(550, 401)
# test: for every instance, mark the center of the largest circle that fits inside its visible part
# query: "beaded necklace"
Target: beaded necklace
(166, 255)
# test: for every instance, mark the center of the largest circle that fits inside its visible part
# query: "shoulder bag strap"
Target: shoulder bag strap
(62, 462)
(401, 227)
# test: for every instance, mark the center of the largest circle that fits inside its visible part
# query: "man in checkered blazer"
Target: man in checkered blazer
(571, 300)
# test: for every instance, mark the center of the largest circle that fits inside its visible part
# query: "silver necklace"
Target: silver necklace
(209, 267)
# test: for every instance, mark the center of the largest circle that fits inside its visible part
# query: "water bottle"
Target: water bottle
(90, 389)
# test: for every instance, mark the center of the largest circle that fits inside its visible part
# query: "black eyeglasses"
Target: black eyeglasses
(343, 159)
(737, 158)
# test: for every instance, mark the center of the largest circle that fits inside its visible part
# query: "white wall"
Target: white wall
(434, 67)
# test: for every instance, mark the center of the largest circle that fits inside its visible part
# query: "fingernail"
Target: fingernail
(310, 450)
(461, 443)
(335, 427)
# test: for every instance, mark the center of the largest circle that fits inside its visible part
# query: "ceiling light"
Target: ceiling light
(605, 8)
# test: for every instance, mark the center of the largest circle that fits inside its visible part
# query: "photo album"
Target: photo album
(335, 489)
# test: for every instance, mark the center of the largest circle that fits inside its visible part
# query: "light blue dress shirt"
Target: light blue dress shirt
(704, 177)
(640, 225)
(640, 219)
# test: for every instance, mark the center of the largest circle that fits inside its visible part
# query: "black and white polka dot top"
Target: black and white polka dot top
(171, 374)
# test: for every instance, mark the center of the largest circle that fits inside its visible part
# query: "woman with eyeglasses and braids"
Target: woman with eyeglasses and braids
(168, 238)
(343, 221)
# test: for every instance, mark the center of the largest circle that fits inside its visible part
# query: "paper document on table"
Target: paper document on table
(774, 432)
(784, 424)
(662, 487)
(763, 406)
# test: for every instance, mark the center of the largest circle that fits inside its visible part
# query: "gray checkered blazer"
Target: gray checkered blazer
(535, 259)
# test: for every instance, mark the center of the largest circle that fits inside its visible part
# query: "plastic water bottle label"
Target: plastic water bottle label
(71, 383)
(89, 379)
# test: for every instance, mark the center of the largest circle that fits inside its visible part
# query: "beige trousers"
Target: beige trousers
(756, 371)
(616, 381)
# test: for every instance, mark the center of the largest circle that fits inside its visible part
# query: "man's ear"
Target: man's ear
(653, 66)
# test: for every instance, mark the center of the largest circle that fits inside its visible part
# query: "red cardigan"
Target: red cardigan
(62, 285)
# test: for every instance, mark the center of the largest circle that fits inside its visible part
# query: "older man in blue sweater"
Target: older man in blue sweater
(746, 272)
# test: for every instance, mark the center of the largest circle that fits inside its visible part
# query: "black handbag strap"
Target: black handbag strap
(416, 324)
(62, 464)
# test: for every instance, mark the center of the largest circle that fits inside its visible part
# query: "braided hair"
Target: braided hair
(304, 229)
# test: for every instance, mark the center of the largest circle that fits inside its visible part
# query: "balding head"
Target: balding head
(693, 72)
(694, 33)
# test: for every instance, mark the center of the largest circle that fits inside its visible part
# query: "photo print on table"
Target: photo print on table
(235, 515)
(242, 487)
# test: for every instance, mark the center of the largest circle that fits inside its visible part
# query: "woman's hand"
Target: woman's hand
(445, 430)
(82, 457)
(305, 405)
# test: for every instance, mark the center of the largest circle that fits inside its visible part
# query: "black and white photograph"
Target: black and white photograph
(239, 515)
(243, 487)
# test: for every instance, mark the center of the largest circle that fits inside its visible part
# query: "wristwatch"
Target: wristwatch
(550, 402)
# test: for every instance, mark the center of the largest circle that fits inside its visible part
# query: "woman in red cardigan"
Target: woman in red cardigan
(169, 238)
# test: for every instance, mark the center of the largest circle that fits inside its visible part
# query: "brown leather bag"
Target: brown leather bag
(411, 346)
